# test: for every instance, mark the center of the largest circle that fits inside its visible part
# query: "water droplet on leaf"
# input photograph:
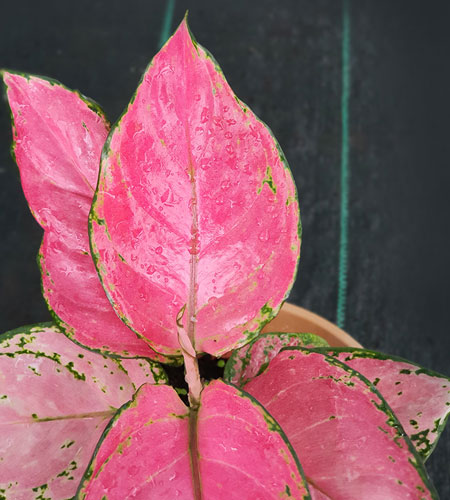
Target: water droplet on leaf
(264, 235)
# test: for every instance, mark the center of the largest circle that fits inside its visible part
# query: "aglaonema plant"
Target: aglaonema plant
(187, 212)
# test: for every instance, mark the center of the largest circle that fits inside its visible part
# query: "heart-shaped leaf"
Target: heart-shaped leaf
(230, 448)
(420, 398)
(55, 401)
(252, 359)
(58, 137)
(349, 441)
(195, 207)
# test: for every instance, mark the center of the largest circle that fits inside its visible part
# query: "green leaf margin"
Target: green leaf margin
(229, 371)
(266, 310)
(357, 352)
(96, 108)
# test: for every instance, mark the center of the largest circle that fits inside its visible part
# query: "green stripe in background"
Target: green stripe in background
(167, 23)
(345, 167)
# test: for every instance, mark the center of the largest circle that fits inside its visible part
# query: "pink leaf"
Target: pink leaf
(349, 442)
(55, 401)
(243, 451)
(420, 398)
(144, 452)
(230, 449)
(195, 206)
(252, 359)
(58, 138)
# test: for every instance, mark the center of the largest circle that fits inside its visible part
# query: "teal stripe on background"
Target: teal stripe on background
(345, 168)
(167, 23)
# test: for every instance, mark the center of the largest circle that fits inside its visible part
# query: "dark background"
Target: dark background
(284, 60)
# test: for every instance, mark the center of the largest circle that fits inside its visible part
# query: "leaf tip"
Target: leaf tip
(185, 31)
(6, 76)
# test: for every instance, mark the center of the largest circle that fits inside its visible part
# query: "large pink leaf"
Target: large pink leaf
(252, 359)
(349, 442)
(195, 206)
(243, 453)
(420, 398)
(55, 401)
(58, 138)
(230, 449)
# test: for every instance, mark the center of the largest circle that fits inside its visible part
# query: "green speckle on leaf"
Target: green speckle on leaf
(77, 375)
(34, 370)
(67, 444)
(271, 423)
(26, 339)
(414, 423)
(290, 200)
(268, 179)
(266, 310)
(436, 425)
(41, 490)
(421, 442)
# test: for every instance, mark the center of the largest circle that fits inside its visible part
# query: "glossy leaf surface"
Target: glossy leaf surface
(144, 453)
(252, 359)
(240, 451)
(55, 401)
(195, 206)
(348, 440)
(243, 451)
(420, 398)
(58, 137)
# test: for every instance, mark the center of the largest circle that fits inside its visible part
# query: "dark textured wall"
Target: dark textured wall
(284, 60)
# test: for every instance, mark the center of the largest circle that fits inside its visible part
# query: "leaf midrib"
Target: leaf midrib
(33, 420)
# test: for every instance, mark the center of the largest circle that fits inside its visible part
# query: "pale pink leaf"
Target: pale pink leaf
(157, 448)
(348, 440)
(195, 206)
(252, 359)
(420, 398)
(55, 400)
(58, 138)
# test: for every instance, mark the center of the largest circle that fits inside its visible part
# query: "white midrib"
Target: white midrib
(93, 414)
(191, 306)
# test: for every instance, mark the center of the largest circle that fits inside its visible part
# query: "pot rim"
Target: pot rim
(293, 318)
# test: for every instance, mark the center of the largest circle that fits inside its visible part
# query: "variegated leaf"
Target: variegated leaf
(58, 137)
(55, 401)
(252, 359)
(348, 440)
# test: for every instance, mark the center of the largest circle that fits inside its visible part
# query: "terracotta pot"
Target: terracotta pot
(296, 319)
